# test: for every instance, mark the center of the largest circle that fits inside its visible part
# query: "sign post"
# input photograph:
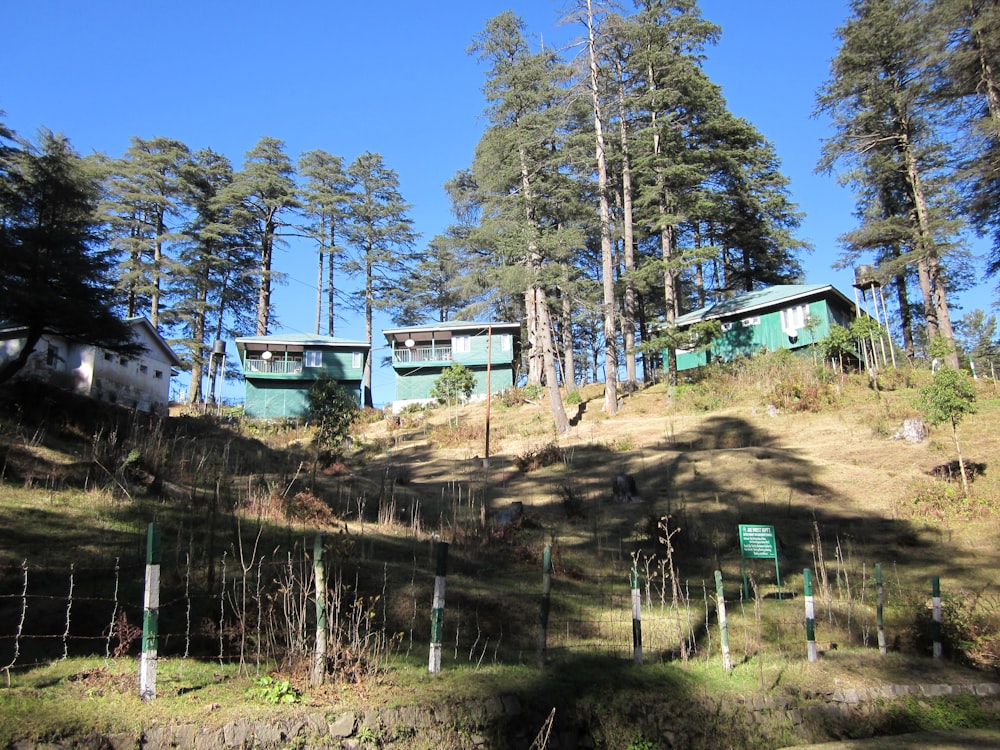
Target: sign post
(758, 542)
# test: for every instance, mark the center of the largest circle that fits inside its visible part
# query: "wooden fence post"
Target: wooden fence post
(150, 615)
(720, 598)
(437, 613)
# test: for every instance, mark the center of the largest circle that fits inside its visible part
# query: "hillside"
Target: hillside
(769, 444)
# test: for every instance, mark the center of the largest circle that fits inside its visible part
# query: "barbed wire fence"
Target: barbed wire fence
(260, 612)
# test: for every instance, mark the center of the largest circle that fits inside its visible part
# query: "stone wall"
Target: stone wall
(503, 722)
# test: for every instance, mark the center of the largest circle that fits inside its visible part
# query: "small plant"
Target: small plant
(367, 736)
(271, 690)
(948, 398)
(641, 743)
(622, 445)
(573, 397)
(456, 383)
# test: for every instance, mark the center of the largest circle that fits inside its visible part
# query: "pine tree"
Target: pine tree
(142, 205)
(325, 195)
(212, 279)
(968, 36)
(55, 278)
(880, 98)
(671, 95)
(435, 289)
(380, 235)
(265, 188)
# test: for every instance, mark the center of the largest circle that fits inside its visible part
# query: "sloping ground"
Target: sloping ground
(838, 471)
(835, 472)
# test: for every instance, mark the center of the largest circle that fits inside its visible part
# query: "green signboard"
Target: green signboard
(757, 541)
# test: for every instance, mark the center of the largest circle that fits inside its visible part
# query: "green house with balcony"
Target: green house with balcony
(420, 354)
(786, 316)
(280, 369)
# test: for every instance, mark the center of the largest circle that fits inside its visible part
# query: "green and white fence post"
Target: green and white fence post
(810, 615)
(720, 598)
(543, 614)
(636, 616)
(150, 615)
(879, 605)
(936, 599)
(437, 614)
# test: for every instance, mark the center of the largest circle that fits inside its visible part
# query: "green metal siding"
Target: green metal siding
(416, 382)
(284, 399)
(277, 399)
(336, 364)
(415, 385)
(283, 392)
(741, 341)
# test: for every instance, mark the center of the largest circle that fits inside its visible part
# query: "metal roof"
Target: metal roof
(428, 331)
(760, 299)
(300, 339)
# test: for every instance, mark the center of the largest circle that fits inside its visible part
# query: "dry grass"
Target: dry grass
(708, 455)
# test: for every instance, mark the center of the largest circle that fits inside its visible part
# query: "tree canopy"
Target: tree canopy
(56, 277)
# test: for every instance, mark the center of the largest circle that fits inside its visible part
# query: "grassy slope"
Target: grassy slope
(709, 457)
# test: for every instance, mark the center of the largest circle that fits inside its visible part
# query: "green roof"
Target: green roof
(760, 299)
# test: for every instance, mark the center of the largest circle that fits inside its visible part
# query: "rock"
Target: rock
(343, 726)
(913, 431)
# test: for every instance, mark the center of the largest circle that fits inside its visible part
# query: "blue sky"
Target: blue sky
(391, 77)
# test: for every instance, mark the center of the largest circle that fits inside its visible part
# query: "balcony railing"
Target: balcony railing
(273, 366)
(422, 354)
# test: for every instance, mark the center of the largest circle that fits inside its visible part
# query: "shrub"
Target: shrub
(537, 458)
(332, 410)
(456, 435)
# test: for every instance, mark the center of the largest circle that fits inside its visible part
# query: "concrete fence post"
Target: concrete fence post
(437, 613)
(810, 615)
(150, 615)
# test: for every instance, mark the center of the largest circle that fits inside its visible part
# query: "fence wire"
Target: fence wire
(262, 610)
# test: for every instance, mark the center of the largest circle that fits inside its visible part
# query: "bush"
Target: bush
(332, 410)
(537, 458)
(456, 435)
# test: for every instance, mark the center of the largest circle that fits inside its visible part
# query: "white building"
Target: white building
(141, 383)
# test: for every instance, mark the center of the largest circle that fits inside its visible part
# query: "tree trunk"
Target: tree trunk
(989, 85)
(154, 297)
(932, 282)
(559, 418)
(628, 231)
(198, 360)
(961, 460)
(12, 366)
(604, 210)
(669, 293)
(213, 368)
(569, 365)
(366, 377)
(264, 289)
(319, 289)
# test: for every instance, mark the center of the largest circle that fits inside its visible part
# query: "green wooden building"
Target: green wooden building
(791, 316)
(421, 353)
(280, 369)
